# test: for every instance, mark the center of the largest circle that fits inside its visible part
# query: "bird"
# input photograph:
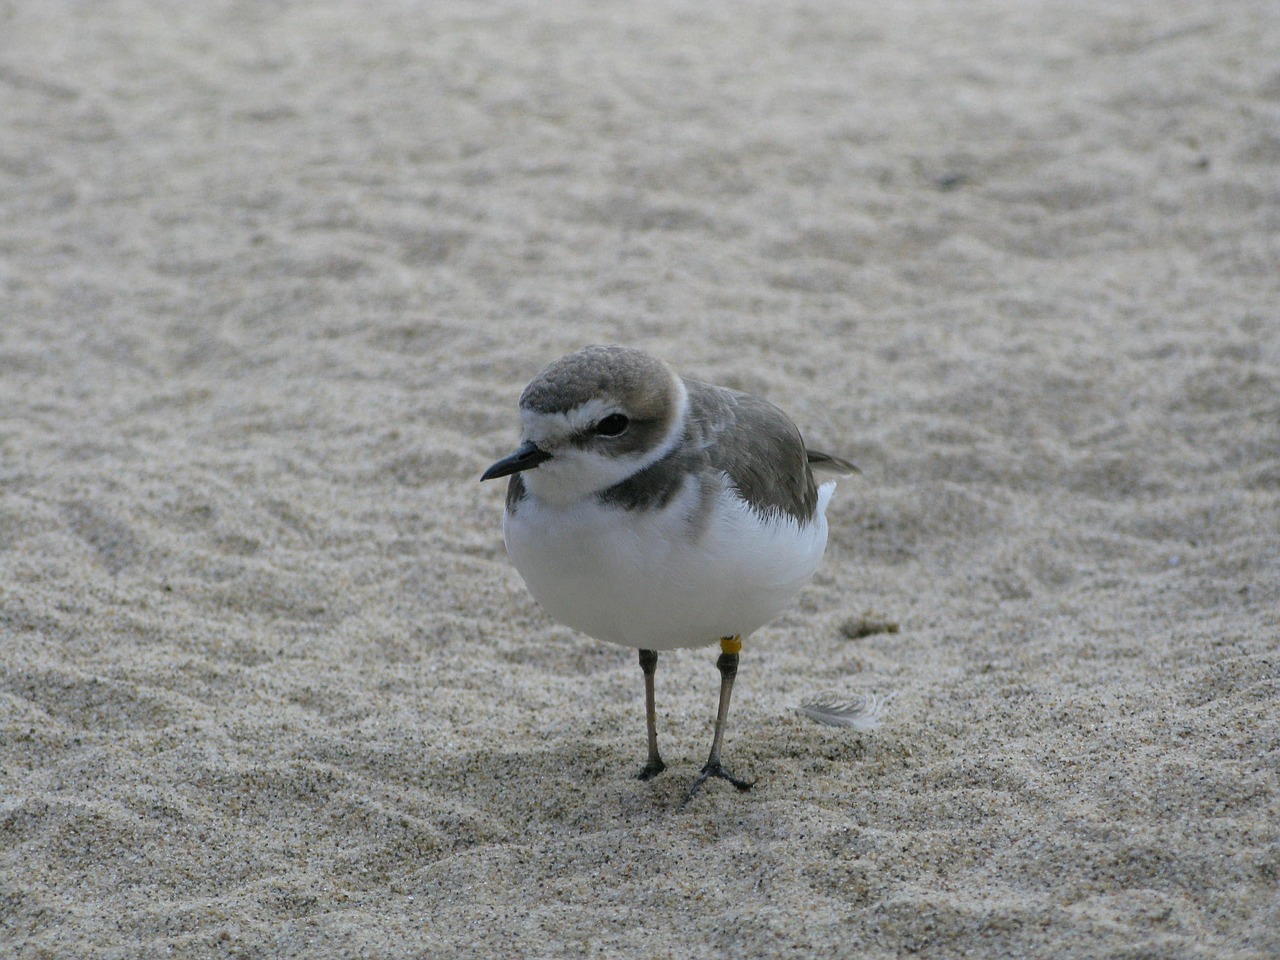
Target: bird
(658, 512)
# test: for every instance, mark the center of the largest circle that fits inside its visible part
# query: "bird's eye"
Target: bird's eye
(615, 424)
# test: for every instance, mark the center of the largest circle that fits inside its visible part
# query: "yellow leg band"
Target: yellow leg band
(731, 644)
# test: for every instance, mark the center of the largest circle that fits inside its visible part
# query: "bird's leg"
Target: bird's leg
(654, 765)
(728, 665)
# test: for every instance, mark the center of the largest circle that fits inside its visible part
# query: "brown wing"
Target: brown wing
(757, 445)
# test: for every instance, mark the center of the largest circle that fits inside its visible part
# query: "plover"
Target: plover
(657, 512)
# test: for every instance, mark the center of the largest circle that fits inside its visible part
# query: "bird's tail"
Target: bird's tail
(826, 463)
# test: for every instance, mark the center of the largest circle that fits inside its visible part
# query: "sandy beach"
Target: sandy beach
(272, 277)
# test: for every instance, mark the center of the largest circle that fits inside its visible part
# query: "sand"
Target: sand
(272, 277)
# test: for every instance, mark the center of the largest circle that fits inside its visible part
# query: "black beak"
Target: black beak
(526, 458)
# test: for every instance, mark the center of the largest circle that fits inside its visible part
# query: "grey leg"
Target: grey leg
(728, 666)
(654, 765)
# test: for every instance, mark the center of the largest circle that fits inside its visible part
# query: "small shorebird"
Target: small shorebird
(657, 512)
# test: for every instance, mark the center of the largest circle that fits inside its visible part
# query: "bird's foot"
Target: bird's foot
(713, 769)
(651, 769)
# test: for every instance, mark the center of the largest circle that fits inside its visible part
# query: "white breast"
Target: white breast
(657, 579)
